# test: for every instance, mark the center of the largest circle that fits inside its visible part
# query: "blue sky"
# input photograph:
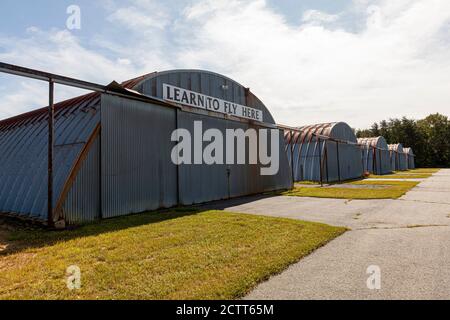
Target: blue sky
(309, 60)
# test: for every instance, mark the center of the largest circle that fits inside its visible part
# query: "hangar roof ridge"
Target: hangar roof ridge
(130, 84)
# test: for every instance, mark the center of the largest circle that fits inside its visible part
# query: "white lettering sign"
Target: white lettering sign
(198, 100)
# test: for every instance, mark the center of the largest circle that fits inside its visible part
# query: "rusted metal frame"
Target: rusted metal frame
(76, 168)
(326, 160)
(320, 152)
(51, 144)
(46, 76)
(291, 143)
(320, 155)
(320, 164)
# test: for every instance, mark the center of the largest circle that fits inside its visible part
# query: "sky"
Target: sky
(309, 61)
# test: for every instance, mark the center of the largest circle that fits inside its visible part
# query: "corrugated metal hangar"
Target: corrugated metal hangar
(376, 156)
(326, 152)
(398, 159)
(410, 158)
(111, 152)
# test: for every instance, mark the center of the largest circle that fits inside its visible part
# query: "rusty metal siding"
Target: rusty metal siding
(397, 156)
(137, 172)
(376, 155)
(133, 171)
(23, 155)
(83, 200)
(330, 146)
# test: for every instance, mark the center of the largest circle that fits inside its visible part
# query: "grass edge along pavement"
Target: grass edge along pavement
(171, 255)
(421, 173)
(395, 190)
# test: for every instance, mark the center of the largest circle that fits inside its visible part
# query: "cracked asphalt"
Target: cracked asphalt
(408, 238)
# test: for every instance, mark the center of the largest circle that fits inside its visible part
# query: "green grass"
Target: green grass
(424, 170)
(395, 190)
(177, 255)
(409, 174)
(308, 182)
(401, 176)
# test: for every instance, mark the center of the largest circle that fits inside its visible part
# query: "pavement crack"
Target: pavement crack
(412, 226)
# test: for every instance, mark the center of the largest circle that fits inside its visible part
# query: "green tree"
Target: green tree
(429, 138)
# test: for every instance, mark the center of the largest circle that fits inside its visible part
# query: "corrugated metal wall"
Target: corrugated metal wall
(83, 200)
(129, 168)
(376, 155)
(410, 161)
(202, 183)
(343, 161)
(23, 155)
(137, 172)
(340, 160)
(384, 165)
(397, 156)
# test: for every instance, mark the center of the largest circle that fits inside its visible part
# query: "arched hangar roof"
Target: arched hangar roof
(377, 142)
(23, 138)
(396, 147)
(334, 130)
(205, 82)
(408, 151)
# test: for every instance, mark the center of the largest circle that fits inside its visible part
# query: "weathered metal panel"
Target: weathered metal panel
(202, 183)
(82, 203)
(324, 151)
(204, 82)
(376, 156)
(410, 161)
(398, 159)
(137, 172)
(23, 154)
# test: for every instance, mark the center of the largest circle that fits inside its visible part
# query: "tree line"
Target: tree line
(429, 138)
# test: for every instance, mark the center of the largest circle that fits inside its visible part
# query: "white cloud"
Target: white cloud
(136, 19)
(318, 16)
(397, 63)
(57, 52)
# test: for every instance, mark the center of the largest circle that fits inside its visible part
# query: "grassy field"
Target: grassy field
(178, 255)
(394, 190)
